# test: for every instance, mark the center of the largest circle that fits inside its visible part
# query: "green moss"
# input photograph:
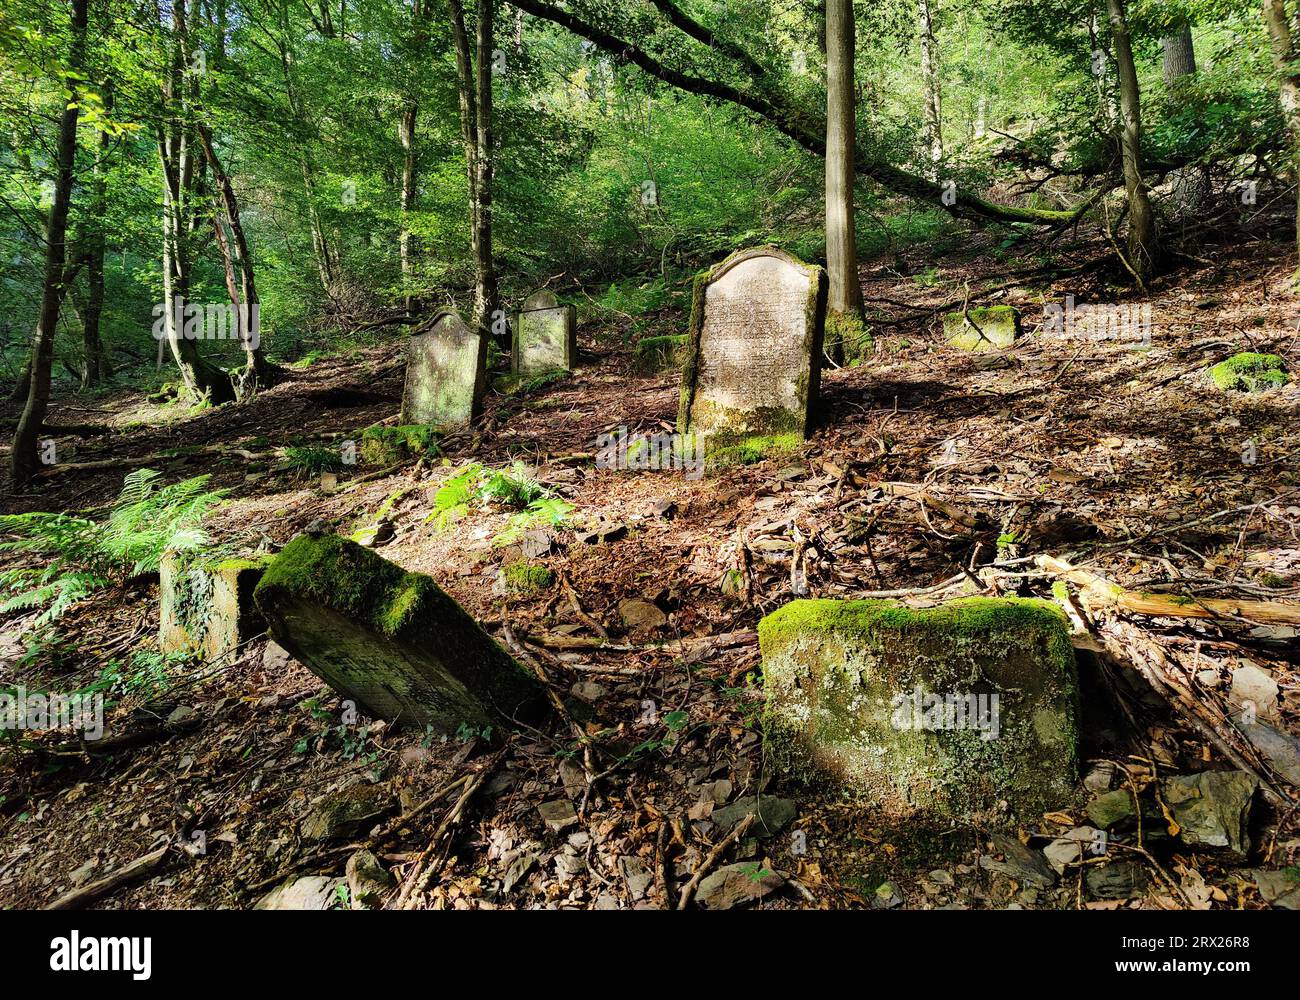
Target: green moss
(726, 450)
(390, 445)
(990, 328)
(1249, 372)
(392, 640)
(654, 354)
(834, 671)
(848, 338)
(527, 578)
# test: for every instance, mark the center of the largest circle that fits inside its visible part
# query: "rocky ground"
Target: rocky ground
(934, 471)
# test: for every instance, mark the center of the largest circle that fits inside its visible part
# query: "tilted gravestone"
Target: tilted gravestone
(754, 360)
(445, 373)
(545, 336)
(206, 604)
(943, 712)
(392, 641)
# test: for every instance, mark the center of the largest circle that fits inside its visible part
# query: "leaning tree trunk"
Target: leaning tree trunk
(24, 460)
(844, 302)
(1286, 58)
(930, 80)
(1143, 249)
(258, 372)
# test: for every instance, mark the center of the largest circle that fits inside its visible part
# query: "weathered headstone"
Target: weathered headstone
(390, 640)
(753, 364)
(988, 328)
(944, 711)
(545, 336)
(445, 373)
(206, 605)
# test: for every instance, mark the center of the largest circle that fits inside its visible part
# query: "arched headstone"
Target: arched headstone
(445, 373)
(753, 363)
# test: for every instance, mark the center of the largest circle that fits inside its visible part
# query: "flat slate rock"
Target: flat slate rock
(735, 885)
(1212, 809)
(771, 814)
(390, 640)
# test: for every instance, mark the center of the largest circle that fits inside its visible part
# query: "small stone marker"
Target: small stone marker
(989, 328)
(390, 640)
(753, 364)
(943, 711)
(445, 373)
(206, 605)
(545, 336)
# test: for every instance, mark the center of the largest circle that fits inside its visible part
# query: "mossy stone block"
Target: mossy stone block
(446, 373)
(942, 712)
(388, 445)
(206, 605)
(545, 336)
(392, 641)
(656, 354)
(988, 328)
(1249, 372)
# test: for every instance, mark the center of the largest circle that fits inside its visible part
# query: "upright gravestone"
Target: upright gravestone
(445, 373)
(753, 362)
(546, 336)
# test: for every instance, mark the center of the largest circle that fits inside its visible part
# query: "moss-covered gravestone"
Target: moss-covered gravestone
(390, 640)
(989, 328)
(446, 369)
(206, 604)
(754, 359)
(545, 336)
(942, 712)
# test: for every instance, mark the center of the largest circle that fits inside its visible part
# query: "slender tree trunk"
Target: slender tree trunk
(406, 243)
(487, 298)
(1286, 59)
(930, 80)
(1143, 249)
(24, 460)
(95, 366)
(474, 88)
(844, 302)
(258, 371)
(175, 150)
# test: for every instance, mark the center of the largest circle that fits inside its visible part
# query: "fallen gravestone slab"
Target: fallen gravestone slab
(206, 605)
(446, 368)
(990, 328)
(946, 711)
(753, 364)
(545, 336)
(392, 641)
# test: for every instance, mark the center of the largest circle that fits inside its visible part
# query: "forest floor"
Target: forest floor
(1120, 457)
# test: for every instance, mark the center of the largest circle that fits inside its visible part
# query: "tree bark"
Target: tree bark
(24, 459)
(930, 80)
(1179, 55)
(1286, 59)
(844, 300)
(1143, 249)
(95, 365)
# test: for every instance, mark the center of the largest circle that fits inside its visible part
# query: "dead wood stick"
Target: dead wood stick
(576, 605)
(1101, 592)
(76, 899)
(739, 831)
(422, 871)
(923, 496)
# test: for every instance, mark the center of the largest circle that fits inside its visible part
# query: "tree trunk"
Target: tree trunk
(175, 149)
(406, 248)
(474, 88)
(1286, 59)
(844, 302)
(95, 366)
(930, 80)
(258, 372)
(24, 459)
(1179, 55)
(1143, 249)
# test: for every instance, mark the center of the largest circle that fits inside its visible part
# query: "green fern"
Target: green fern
(146, 521)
